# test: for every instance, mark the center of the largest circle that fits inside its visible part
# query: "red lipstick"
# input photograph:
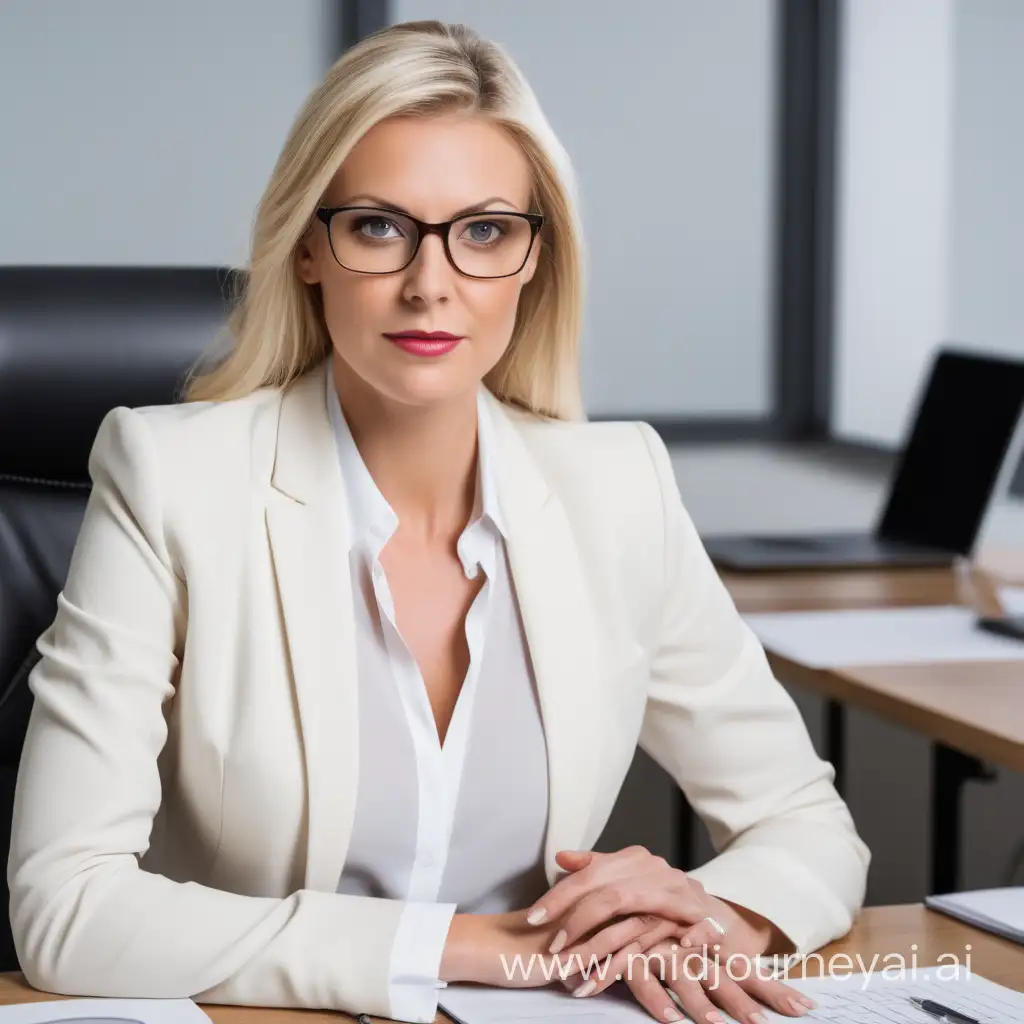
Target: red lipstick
(424, 343)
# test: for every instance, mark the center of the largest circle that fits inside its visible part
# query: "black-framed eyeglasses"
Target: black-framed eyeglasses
(374, 240)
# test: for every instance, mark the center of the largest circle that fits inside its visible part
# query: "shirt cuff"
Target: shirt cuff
(413, 982)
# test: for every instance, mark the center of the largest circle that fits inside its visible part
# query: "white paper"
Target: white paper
(881, 636)
(996, 910)
(105, 1011)
(873, 998)
(1012, 599)
(845, 997)
(479, 1004)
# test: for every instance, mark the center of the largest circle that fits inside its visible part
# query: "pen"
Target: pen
(938, 1010)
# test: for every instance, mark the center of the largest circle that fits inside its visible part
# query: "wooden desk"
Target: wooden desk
(896, 929)
(871, 588)
(972, 711)
(878, 930)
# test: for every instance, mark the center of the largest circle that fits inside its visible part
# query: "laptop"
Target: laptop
(967, 436)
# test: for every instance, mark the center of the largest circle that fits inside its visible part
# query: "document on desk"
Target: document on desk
(881, 636)
(844, 997)
(1000, 911)
(105, 1011)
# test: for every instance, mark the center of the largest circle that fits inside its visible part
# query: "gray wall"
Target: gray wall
(931, 199)
(142, 134)
(667, 112)
(892, 208)
(986, 240)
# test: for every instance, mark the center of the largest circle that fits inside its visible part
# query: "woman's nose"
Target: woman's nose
(429, 276)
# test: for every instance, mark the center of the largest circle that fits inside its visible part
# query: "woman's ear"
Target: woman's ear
(306, 263)
(531, 262)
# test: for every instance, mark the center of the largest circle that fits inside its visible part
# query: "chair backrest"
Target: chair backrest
(73, 344)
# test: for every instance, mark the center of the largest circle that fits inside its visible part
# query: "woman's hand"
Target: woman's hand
(703, 985)
(640, 900)
(501, 950)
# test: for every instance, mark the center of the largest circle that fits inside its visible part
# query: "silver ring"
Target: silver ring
(714, 924)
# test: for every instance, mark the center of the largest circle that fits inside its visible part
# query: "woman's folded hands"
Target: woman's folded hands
(629, 916)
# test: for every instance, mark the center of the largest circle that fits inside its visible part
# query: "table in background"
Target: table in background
(878, 930)
(970, 728)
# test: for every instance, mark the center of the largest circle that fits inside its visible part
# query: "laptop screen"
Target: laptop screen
(961, 432)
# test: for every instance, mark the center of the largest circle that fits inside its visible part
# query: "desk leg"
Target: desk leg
(950, 770)
(835, 741)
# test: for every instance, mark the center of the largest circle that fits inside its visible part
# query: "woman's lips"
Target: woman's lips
(424, 343)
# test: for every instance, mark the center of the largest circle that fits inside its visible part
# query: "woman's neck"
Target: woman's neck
(422, 459)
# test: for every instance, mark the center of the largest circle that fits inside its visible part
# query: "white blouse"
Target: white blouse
(425, 829)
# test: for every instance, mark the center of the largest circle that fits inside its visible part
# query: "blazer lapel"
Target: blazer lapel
(564, 634)
(307, 523)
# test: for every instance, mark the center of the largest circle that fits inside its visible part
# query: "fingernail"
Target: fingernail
(799, 1008)
(807, 1001)
(536, 916)
(556, 946)
(585, 989)
(673, 1014)
(758, 1018)
(715, 1017)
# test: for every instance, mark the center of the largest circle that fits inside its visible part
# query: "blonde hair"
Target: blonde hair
(277, 328)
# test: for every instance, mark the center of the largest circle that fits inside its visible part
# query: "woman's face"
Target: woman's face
(434, 169)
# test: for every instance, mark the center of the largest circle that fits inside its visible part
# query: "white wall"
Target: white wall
(892, 199)
(667, 110)
(142, 134)
(930, 220)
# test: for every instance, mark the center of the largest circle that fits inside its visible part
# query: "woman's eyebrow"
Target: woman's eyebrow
(387, 205)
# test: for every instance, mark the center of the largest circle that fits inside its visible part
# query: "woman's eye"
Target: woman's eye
(484, 231)
(376, 227)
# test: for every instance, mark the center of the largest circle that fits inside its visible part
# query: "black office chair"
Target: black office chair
(73, 344)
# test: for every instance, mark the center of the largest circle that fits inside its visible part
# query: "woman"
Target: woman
(357, 644)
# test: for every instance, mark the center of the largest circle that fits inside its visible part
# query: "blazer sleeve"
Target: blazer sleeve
(86, 918)
(731, 736)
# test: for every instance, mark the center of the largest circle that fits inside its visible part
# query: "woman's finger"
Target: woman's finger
(565, 893)
(594, 909)
(601, 869)
(741, 986)
(661, 930)
(693, 999)
(622, 898)
(575, 860)
(652, 995)
(720, 987)
(614, 968)
(707, 933)
(774, 993)
(609, 941)
(684, 977)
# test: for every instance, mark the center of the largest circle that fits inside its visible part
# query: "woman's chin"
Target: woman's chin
(430, 385)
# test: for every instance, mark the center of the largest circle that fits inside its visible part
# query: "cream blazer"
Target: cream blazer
(187, 786)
